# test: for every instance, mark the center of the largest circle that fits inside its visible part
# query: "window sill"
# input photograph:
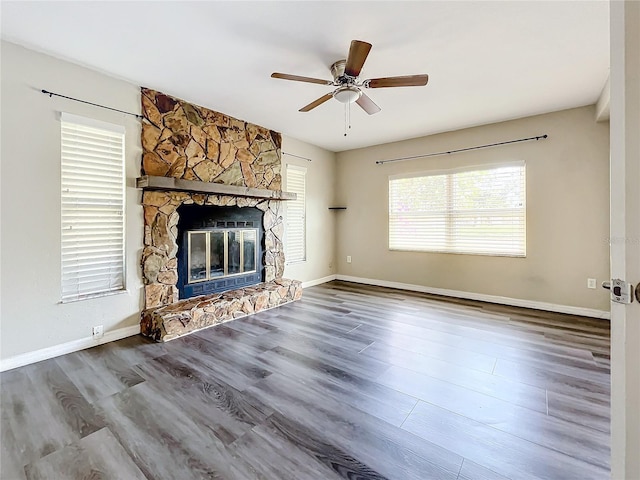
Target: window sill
(508, 255)
(296, 262)
(94, 295)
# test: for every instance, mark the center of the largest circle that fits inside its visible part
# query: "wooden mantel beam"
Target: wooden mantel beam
(152, 182)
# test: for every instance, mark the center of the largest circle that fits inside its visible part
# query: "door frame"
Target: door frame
(625, 236)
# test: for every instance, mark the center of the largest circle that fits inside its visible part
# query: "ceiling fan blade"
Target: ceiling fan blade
(357, 55)
(316, 103)
(367, 104)
(406, 81)
(298, 78)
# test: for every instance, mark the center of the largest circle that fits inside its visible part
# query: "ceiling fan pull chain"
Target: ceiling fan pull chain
(347, 118)
(346, 106)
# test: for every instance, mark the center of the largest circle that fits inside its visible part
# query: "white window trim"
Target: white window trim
(91, 122)
(119, 130)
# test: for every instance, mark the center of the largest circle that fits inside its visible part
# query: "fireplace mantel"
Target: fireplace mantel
(152, 182)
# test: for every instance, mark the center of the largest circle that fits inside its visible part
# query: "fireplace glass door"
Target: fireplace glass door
(198, 259)
(221, 253)
(216, 249)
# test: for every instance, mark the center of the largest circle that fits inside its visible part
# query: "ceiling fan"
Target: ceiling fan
(345, 77)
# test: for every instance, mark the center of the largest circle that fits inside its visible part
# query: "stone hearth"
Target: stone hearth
(187, 316)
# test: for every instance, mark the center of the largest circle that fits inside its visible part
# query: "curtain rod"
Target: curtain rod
(89, 103)
(401, 159)
(297, 156)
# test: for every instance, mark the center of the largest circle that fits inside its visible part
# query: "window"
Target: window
(474, 211)
(92, 208)
(296, 244)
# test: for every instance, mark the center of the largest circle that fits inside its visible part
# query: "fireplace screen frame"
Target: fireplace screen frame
(225, 262)
(211, 218)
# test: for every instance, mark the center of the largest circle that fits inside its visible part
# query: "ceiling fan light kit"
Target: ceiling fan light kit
(349, 88)
(347, 94)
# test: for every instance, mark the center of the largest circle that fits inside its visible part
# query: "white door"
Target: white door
(625, 236)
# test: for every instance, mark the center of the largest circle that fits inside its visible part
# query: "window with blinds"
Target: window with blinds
(296, 241)
(92, 208)
(474, 211)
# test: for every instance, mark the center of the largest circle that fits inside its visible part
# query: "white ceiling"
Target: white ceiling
(487, 61)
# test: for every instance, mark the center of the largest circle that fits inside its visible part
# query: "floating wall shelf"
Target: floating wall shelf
(337, 208)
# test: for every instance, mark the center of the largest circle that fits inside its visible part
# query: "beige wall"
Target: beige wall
(320, 187)
(32, 316)
(567, 211)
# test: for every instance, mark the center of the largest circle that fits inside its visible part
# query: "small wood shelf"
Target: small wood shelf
(337, 208)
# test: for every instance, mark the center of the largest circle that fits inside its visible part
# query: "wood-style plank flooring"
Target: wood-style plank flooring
(351, 382)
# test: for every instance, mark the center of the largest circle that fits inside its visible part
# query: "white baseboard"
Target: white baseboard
(318, 281)
(515, 302)
(64, 348)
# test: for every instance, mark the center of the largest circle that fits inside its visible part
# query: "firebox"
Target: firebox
(219, 248)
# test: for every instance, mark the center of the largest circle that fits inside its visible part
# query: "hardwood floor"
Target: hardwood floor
(350, 382)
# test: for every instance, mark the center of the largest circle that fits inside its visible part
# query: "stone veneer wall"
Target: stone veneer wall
(186, 141)
(159, 261)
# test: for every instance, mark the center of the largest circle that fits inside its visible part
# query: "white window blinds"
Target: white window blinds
(296, 241)
(92, 207)
(475, 211)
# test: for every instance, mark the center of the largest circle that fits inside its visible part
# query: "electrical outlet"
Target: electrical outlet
(591, 283)
(97, 331)
(348, 258)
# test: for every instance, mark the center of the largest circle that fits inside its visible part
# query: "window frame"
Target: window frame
(448, 202)
(67, 211)
(303, 171)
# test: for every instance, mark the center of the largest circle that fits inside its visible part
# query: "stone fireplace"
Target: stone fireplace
(212, 201)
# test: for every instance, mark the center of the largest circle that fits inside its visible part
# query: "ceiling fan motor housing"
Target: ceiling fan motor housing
(337, 69)
(339, 77)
